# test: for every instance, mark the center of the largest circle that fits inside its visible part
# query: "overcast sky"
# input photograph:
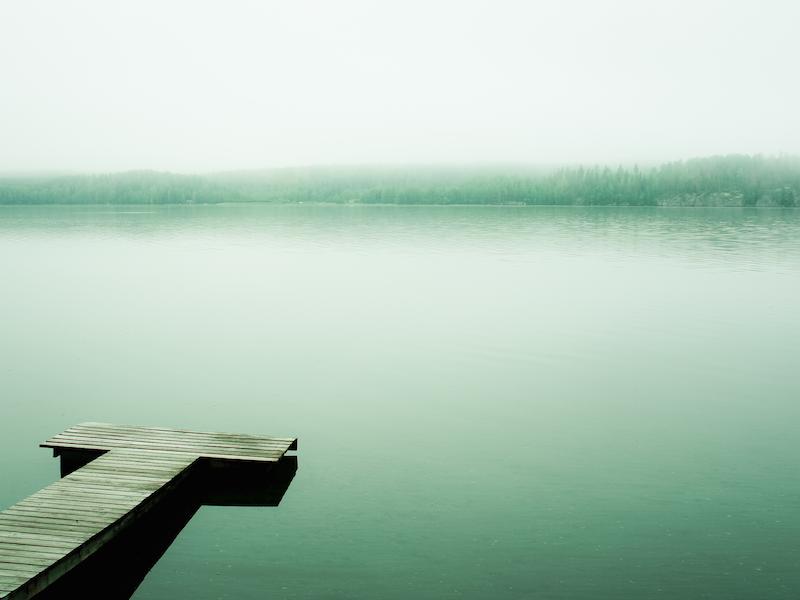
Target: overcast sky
(196, 86)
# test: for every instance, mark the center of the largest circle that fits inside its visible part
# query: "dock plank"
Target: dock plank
(25, 550)
(47, 534)
(187, 432)
(227, 442)
(104, 436)
(24, 559)
(105, 446)
(201, 449)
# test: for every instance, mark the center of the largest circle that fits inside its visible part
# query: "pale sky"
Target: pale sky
(194, 86)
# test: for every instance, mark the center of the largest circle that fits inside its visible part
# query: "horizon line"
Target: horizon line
(518, 164)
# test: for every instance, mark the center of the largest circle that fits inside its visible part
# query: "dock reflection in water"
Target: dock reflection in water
(115, 571)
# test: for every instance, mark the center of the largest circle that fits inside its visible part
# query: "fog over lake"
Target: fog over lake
(91, 85)
(521, 276)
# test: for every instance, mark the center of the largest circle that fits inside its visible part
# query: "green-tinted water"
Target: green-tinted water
(491, 402)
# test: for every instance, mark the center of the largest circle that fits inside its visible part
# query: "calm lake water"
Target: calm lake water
(491, 402)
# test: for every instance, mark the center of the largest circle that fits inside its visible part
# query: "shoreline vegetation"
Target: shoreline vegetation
(730, 181)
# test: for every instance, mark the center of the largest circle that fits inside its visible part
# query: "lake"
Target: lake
(491, 402)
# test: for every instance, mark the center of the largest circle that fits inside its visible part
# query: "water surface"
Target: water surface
(491, 402)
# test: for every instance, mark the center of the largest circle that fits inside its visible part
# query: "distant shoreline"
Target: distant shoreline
(384, 205)
(722, 181)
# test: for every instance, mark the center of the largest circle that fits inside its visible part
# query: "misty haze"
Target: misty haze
(521, 278)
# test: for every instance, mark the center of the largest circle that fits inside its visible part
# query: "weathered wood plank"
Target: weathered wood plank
(128, 470)
(33, 551)
(74, 495)
(160, 456)
(39, 539)
(80, 497)
(99, 515)
(37, 515)
(270, 458)
(109, 475)
(129, 460)
(209, 440)
(114, 442)
(20, 570)
(12, 578)
(49, 527)
(141, 469)
(7, 530)
(178, 438)
(9, 520)
(80, 500)
(88, 505)
(169, 457)
(87, 514)
(68, 503)
(120, 485)
(110, 434)
(20, 559)
(88, 500)
(73, 487)
(187, 432)
(7, 548)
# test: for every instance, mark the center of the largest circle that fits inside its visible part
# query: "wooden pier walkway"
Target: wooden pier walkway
(49, 533)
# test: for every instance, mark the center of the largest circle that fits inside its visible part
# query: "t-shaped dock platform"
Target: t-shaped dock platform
(112, 475)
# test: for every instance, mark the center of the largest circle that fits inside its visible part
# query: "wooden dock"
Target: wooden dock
(120, 472)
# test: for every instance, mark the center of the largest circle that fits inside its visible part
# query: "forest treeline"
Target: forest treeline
(132, 187)
(734, 180)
